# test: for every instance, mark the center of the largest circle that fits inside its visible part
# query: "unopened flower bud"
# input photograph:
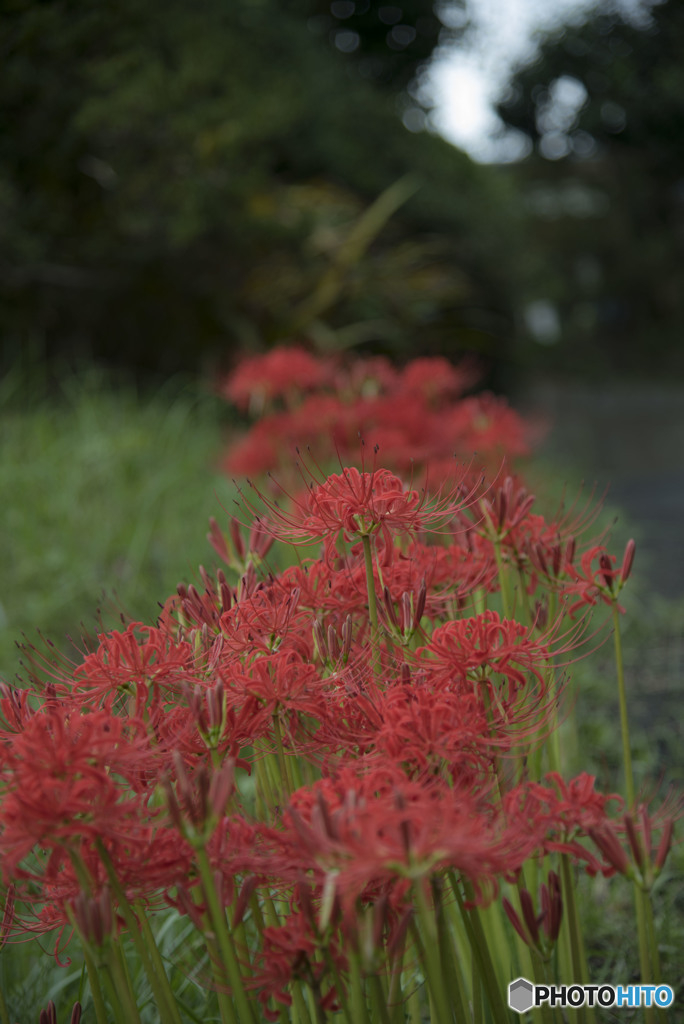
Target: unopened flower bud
(628, 560)
(610, 847)
(634, 842)
(664, 845)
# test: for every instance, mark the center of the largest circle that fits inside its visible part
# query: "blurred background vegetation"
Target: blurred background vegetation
(182, 181)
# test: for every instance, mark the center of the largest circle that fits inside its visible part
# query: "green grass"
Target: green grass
(106, 496)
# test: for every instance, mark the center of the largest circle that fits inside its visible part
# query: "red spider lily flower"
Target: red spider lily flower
(279, 373)
(486, 424)
(427, 725)
(603, 582)
(233, 551)
(290, 953)
(357, 504)
(15, 707)
(505, 507)
(562, 813)
(280, 681)
(141, 654)
(487, 643)
(538, 930)
(267, 621)
(67, 776)
(435, 377)
(643, 860)
(381, 828)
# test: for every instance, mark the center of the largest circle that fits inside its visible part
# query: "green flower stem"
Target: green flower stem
(396, 999)
(378, 1001)
(546, 1013)
(95, 989)
(645, 964)
(297, 780)
(339, 985)
(163, 993)
(624, 722)
(476, 984)
(525, 597)
(224, 940)
(117, 972)
(656, 976)
(503, 580)
(299, 1004)
(648, 949)
(414, 1006)
(372, 601)
(451, 967)
(481, 952)
(548, 978)
(264, 788)
(573, 930)
(426, 940)
(110, 989)
(359, 1007)
(4, 1012)
(287, 783)
(153, 950)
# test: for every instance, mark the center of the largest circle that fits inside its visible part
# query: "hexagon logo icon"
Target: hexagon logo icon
(521, 995)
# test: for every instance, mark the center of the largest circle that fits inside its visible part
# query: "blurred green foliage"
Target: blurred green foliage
(603, 106)
(106, 501)
(176, 179)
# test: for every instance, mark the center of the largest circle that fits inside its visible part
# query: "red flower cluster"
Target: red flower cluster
(322, 747)
(417, 416)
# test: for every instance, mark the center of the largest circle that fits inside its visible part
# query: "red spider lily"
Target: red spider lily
(603, 582)
(279, 680)
(233, 551)
(149, 858)
(279, 373)
(67, 776)
(15, 707)
(289, 954)
(477, 646)
(562, 813)
(427, 725)
(352, 503)
(141, 654)
(382, 828)
(267, 621)
(486, 424)
(436, 378)
(415, 416)
(359, 504)
(538, 930)
(505, 507)
(644, 858)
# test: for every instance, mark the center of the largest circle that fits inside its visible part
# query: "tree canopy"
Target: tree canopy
(603, 106)
(180, 178)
